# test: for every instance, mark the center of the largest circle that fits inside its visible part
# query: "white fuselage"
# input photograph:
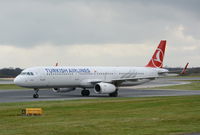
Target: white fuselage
(84, 77)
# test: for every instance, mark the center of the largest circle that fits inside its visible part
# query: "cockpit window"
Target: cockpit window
(27, 73)
(22, 73)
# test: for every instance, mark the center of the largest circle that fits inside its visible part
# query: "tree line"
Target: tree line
(10, 72)
(189, 71)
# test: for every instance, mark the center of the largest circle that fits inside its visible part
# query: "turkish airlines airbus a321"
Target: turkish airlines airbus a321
(104, 80)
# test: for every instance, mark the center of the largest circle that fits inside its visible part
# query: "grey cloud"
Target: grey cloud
(30, 22)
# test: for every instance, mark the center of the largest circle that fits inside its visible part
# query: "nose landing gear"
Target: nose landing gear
(36, 95)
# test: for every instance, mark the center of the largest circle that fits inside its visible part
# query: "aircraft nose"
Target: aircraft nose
(18, 81)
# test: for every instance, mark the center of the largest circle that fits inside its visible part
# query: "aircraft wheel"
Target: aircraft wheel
(85, 92)
(114, 94)
(35, 96)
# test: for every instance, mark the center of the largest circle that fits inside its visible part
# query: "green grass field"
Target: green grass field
(109, 116)
(6, 79)
(9, 87)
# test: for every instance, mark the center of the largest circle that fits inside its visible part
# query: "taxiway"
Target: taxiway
(48, 95)
(136, 91)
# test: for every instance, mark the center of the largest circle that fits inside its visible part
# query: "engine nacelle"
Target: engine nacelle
(104, 88)
(60, 90)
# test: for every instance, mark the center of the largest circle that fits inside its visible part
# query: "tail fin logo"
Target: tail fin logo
(159, 56)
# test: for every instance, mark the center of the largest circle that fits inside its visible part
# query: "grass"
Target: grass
(6, 79)
(10, 87)
(129, 116)
(195, 85)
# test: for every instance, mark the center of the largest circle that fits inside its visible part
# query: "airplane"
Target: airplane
(103, 80)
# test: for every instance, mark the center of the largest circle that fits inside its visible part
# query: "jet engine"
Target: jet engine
(104, 88)
(62, 90)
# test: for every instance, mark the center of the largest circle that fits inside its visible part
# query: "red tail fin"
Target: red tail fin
(158, 56)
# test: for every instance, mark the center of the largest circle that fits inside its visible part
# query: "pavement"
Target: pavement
(136, 91)
(48, 95)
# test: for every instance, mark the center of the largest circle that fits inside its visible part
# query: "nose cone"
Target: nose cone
(18, 81)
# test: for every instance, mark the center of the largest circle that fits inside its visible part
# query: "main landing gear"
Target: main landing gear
(114, 94)
(85, 93)
(36, 95)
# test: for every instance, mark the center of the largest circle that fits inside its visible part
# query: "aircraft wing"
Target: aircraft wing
(133, 79)
(93, 81)
(119, 81)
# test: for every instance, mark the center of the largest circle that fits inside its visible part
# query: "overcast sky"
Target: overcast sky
(98, 32)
